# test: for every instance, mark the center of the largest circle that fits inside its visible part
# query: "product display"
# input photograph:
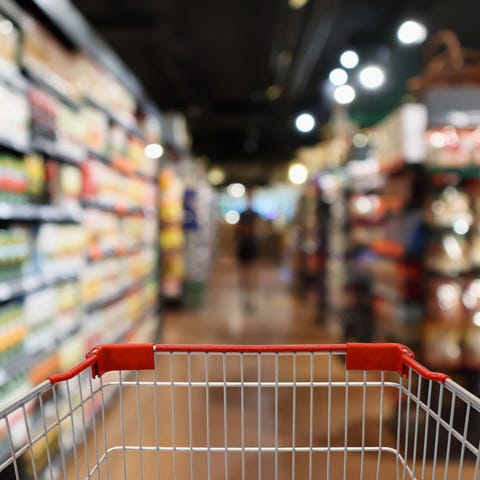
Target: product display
(452, 250)
(14, 117)
(9, 47)
(172, 237)
(385, 227)
(79, 233)
(199, 237)
(110, 189)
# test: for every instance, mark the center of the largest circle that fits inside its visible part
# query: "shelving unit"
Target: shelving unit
(452, 325)
(385, 227)
(78, 206)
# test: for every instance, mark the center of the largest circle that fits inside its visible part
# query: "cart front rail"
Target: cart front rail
(364, 411)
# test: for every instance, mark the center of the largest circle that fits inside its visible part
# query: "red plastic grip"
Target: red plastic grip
(73, 372)
(106, 358)
(138, 356)
(377, 356)
(393, 357)
(359, 356)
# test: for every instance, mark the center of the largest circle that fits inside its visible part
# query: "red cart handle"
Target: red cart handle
(359, 356)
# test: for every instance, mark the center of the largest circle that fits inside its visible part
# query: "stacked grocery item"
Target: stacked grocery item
(172, 237)
(78, 233)
(110, 189)
(452, 216)
(385, 225)
(308, 259)
(199, 231)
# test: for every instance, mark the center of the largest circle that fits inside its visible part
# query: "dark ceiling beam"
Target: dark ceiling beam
(319, 23)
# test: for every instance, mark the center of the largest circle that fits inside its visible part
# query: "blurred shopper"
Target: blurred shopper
(248, 250)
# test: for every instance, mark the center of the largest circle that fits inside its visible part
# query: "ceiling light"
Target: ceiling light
(344, 94)
(360, 140)
(216, 176)
(273, 92)
(236, 190)
(153, 150)
(232, 217)
(411, 32)
(6, 27)
(297, 173)
(296, 4)
(372, 77)
(338, 76)
(284, 58)
(305, 123)
(461, 226)
(349, 59)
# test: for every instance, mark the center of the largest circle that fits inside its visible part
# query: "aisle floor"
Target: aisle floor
(200, 416)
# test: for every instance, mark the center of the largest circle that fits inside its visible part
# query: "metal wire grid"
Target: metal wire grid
(242, 416)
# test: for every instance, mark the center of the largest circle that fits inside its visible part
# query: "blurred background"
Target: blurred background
(271, 171)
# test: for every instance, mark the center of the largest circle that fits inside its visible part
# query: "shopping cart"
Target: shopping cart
(354, 411)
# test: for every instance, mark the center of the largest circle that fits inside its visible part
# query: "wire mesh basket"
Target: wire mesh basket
(366, 411)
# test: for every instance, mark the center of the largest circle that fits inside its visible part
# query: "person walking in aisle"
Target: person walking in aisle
(247, 253)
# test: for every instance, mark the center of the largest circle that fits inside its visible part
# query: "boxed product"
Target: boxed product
(448, 253)
(45, 58)
(64, 184)
(14, 116)
(449, 208)
(9, 45)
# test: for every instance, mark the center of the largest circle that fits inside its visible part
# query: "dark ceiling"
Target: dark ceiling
(215, 59)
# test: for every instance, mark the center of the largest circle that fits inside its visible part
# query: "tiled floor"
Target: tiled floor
(243, 416)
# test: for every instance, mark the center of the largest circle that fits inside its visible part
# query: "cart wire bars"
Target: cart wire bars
(348, 411)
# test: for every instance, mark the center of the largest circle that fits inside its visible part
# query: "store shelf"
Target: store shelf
(103, 157)
(467, 171)
(97, 254)
(130, 129)
(120, 166)
(41, 349)
(11, 143)
(37, 79)
(118, 209)
(33, 282)
(36, 213)
(114, 297)
(46, 147)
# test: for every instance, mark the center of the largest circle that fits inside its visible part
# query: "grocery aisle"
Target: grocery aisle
(279, 318)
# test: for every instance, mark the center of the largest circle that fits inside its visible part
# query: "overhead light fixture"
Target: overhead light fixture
(349, 59)
(232, 217)
(372, 77)
(360, 140)
(344, 94)
(273, 92)
(338, 76)
(236, 190)
(284, 58)
(411, 32)
(297, 173)
(6, 27)
(296, 4)
(305, 123)
(216, 176)
(153, 150)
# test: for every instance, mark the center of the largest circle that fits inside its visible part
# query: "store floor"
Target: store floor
(278, 317)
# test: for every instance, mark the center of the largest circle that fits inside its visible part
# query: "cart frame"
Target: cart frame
(427, 411)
